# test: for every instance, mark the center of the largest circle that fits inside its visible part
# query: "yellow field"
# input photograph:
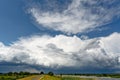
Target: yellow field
(47, 77)
(34, 77)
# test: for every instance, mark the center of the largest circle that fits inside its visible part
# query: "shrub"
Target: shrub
(50, 73)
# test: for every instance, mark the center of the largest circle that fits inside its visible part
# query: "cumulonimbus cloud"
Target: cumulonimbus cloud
(64, 51)
(80, 15)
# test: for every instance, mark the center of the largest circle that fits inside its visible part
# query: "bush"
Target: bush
(50, 73)
(41, 72)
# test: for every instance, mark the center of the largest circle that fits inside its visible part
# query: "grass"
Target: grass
(12, 77)
(47, 77)
(7, 78)
(3, 77)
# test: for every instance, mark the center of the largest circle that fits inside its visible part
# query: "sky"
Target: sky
(64, 36)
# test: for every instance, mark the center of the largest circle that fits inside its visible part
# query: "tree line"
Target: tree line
(26, 73)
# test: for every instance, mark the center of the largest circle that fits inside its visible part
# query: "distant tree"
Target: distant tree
(41, 72)
(21, 73)
(26, 73)
(50, 73)
(60, 75)
(15, 73)
(10, 73)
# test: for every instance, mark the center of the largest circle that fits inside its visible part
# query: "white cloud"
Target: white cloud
(80, 16)
(64, 51)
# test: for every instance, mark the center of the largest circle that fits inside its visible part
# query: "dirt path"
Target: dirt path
(37, 77)
(34, 77)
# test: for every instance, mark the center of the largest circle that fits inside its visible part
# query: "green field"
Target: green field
(6, 77)
(12, 77)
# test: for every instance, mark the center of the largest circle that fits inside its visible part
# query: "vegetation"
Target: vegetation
(50, 76)
(7, 78)
(41, 73)
(50, 73)
(14, 75)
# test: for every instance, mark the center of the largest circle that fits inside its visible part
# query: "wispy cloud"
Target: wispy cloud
(64, 51)
(79, 16)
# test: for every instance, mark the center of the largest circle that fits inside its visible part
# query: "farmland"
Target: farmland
(42, 77)
(47, 77)
(33, 77)
(14, 75)
(52, 76)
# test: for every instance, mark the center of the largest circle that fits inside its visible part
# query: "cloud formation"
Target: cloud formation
(79, 16)
(64, 51)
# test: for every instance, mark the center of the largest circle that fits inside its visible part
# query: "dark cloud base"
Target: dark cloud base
(13, 67)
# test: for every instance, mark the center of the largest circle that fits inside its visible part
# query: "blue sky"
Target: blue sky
(34, 32)
(14, 21)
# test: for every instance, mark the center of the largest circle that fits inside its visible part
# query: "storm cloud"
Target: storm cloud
(64, 51)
